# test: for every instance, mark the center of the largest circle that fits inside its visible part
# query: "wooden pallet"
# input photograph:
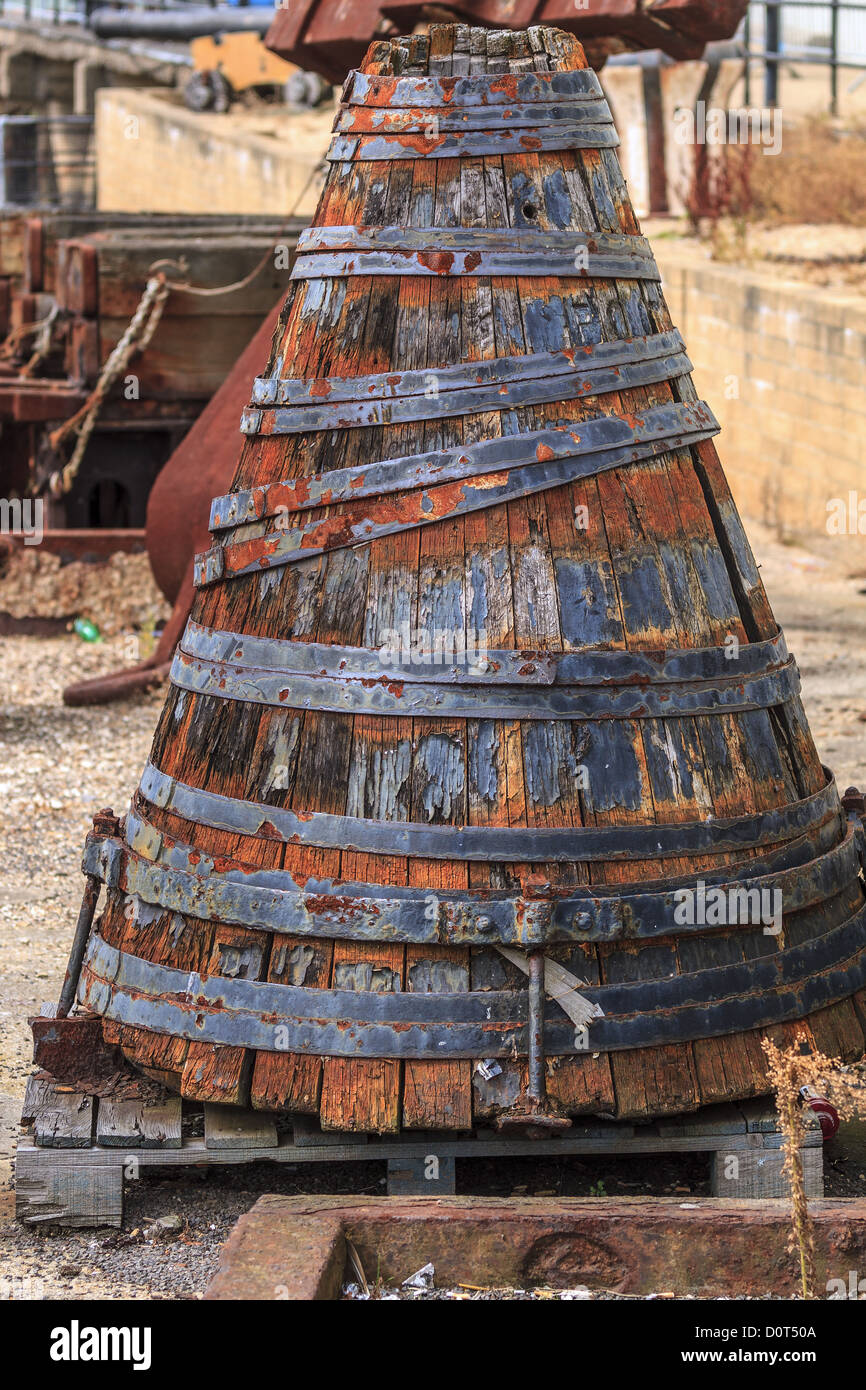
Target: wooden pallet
(76, 1149)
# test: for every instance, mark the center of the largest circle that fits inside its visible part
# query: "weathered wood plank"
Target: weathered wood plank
(64, 1120)
(233, 1127)
(139, 1124)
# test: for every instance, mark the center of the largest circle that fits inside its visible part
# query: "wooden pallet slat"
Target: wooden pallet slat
(80, 1187)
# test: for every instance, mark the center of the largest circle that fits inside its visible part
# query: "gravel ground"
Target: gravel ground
(59, 765)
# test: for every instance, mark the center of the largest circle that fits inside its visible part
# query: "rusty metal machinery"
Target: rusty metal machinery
(69, 286)
(330, 36)
(483, 791)
(178, 509)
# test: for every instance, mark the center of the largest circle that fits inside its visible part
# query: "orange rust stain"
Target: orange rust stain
(421, 144)
(543, 452)
(385, 90)
(507, 83)
(471, 260)
(320, 388)
(440, 262)
(530, 142)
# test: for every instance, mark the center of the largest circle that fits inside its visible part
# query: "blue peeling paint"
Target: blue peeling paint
(587, 602)
(644, 602)
(614, 774)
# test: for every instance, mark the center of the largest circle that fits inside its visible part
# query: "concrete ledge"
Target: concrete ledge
(294, 1247)
(781, 363)
(155, 155)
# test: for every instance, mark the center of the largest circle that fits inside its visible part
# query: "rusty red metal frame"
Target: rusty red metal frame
(329, 36)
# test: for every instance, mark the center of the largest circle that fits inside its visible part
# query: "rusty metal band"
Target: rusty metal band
(434, 120)
(493, 666)
(447, 251)
(441, 465)
(605, 442)
(384, 696)
(173, 876)
(475, 144)
(486, 843)
(473, 89)
(267, 1017)
(445, 241)
(496, 371)
(437, 399)
(436, 404)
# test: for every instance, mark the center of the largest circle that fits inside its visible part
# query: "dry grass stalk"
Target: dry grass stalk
(788, 1070)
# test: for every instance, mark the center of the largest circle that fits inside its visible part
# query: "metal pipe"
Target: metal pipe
(771, 59)
(79, 944)
(834, 58)
(537, 1089)
(187, 23)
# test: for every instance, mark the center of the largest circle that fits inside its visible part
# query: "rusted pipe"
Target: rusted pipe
(104, 823)
(86, 912)
(537, 1090)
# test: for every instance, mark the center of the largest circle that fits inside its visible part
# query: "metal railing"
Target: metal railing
(795, 32)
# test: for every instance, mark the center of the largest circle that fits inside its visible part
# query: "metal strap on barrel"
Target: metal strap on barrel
(173, 876)
(443, 251)
(447, 465)
(268, 1017)
(468, 90)
(464, 700)
(485, 843)
(604, 442)
(493, 666)
(575, 134)
(496, 371)
(434, 120)
(299, 406)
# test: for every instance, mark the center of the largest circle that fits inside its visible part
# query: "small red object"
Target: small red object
(828, 1116)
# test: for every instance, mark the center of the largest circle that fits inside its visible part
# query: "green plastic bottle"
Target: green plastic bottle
(86, 630)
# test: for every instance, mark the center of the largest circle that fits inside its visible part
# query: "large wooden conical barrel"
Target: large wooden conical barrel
(483, 788)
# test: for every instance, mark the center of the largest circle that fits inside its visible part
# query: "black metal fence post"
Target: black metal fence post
(834, 58)
(773, 47)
